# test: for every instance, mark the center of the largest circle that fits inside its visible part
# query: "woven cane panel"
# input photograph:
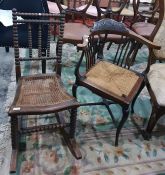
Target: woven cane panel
(112, 78)
(41, 91)
(160, 40)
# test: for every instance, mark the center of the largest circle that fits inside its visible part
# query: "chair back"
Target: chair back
(75, 9)
(110, 8)
(121, 53)
(144, 10)
(41, 24)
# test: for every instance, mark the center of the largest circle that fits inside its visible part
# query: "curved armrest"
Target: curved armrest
(143, 40)
(140, 38)
(83, 45)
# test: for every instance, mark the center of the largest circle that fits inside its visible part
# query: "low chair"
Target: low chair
(156, 80)
(38, 93)
(110, 76)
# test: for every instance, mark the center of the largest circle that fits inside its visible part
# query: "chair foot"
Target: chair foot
(7, 49)
(121, 123)
(13, 163)
(72, 145)
(74, 90)
(146, 135)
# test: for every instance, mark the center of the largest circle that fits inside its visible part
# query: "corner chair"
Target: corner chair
(110, 76)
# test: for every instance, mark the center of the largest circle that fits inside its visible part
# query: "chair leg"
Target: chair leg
(100, 54)
(43, 66)
(73, 119)
(15, 143)
(7, 49)
(110, 112)
(121, 124)
(151, 123)
(43, 62)
(135, 98)
(74, 90)
(69, 138)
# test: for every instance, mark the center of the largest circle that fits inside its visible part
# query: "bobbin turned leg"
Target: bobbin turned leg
(15, 143)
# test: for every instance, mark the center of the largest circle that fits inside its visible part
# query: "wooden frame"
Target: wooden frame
(92, 46)
(41, 93)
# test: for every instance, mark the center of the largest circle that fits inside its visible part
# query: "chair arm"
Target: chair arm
(143, 40)
(83, 45)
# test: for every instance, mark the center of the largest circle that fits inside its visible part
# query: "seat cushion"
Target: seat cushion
(74, 32)
(124, 12)
(41, 93)
(112, 79)
(143, 28)
(156, 78)
(53, 8)
(91, 11)
(159, 39)
(127, 12)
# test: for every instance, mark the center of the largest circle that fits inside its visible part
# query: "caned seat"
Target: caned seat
(40, 94)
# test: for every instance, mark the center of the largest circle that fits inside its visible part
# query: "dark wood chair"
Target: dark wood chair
(146, 28)
(106, 8)
(156, 80)
(110, 76)
(39, 93)
(144, 23)
(75, 27)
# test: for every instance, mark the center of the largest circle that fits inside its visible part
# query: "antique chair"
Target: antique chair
(156, 80)
(37, 6)
(144, 23)
(106, 8)
(127, 14)
(75, 26)
(146, 28)
(110, 76)
(39, 93)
